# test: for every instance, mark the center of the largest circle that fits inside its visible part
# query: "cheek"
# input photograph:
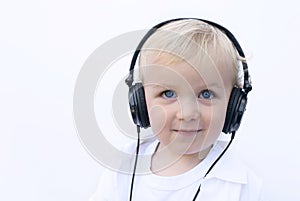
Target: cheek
(157, 117)
(215, 118)
(157, 113)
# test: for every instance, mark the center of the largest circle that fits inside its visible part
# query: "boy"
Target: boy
(191, 80)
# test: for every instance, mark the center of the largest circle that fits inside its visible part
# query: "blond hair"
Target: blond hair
(192, 39)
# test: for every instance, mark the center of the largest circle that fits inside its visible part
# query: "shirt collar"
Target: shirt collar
(229, 167)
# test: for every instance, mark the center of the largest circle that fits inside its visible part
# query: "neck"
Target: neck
(167, 163)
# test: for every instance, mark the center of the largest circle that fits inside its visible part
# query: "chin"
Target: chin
(184, 149)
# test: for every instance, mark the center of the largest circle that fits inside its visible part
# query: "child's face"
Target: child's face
(186, 105)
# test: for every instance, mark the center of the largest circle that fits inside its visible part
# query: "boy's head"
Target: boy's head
(188, 69)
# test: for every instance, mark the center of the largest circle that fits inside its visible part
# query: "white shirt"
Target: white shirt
(229, 180)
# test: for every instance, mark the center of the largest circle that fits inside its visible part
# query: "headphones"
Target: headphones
(238, 97)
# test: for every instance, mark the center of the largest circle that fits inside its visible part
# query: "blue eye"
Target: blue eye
(206, 94)
(169, 94)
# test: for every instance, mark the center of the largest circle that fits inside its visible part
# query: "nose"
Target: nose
(188, 110)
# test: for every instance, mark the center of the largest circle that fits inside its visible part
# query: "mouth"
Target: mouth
(187, 131)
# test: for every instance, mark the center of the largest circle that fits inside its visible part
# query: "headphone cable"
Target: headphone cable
(135, 162)
(211, 167)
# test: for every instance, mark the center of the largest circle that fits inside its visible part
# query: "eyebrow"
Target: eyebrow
(168, 86)
(160, 86)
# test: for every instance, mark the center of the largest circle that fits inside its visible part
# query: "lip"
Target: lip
(187, 131)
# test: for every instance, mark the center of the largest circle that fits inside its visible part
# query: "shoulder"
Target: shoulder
(113, 181)
(105, 188)
(233, 169)
(253, 189)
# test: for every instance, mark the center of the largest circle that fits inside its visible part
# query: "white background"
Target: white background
(43, 45)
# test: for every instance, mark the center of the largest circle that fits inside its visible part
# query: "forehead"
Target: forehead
(169, 70)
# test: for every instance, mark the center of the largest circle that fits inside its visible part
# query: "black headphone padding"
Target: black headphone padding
(235, 109)
(138, 106)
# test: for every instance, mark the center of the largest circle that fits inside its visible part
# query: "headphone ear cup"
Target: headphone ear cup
(235, 110)
(138, 106)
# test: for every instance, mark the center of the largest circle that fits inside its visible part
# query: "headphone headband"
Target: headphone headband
(247, 85)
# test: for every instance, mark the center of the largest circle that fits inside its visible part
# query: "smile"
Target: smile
(187, 132)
